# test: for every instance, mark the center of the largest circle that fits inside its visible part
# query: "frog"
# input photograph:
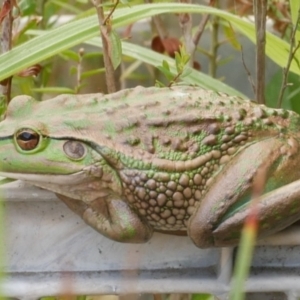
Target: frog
(177, 160)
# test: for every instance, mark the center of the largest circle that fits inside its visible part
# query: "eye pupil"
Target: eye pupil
(26, 136)
(27, 139)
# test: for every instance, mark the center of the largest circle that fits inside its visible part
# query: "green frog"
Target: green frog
(177, 160)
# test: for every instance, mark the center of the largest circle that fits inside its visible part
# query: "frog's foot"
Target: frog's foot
(113, 218)
(220, 217)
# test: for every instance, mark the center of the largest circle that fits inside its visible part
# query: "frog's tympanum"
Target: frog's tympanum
(178, 160)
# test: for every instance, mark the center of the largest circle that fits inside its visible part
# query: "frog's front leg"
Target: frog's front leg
(112, 217)
(219, 218)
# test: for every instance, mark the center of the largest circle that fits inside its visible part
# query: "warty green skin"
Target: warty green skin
(177, 160)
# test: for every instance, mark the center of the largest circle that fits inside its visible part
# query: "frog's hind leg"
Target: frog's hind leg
(219, 218)
(111, 217)
(276, 210)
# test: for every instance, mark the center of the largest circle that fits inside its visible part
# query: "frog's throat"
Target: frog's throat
(68, 179)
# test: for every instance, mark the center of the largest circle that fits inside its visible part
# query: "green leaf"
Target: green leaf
(186, 72)
(27, 7)
(291, 95)
(202, 297)
(54, 90)
(3, 106)
(294, 8)
(115, 48)
(178, 62)
(165, 65)
(91, 55)
(66, 6)
(70, 55)
(231, 36)
(92, 72)
(169, 75)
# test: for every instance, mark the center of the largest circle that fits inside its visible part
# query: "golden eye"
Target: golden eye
(27, 139)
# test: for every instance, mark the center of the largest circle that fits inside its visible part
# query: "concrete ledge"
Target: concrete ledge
(48, 247)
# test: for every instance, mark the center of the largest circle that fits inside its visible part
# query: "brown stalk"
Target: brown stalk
(202, 24)
(105, 28)
(214, 46)
(159, 26)
(6, 42)
(79, 70)
(260, 13)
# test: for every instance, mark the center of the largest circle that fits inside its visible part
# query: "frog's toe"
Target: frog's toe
(201, 233)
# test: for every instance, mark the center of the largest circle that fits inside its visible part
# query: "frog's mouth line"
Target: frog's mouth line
(68, 179)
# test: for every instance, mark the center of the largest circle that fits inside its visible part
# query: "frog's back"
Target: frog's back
(178, 122)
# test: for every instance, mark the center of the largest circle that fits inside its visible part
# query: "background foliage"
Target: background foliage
(49, 29)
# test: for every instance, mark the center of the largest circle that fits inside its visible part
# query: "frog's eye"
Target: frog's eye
(27, 139)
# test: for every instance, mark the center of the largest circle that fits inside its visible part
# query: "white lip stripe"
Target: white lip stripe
(46, 178)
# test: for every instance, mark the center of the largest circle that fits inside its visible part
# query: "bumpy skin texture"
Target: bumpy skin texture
(174, 160)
